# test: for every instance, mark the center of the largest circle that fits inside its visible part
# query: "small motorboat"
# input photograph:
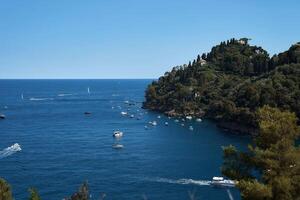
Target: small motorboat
(123, 113)
(154, 123)
(158, 116)
(198, 120)
(189, 117)
(126, 102)
(2, 116)
(176, 120)
(191, 128)
(166, 123)
(131, 116)
(15, 147)
(220, 181)
(118, 146)
(182, 124)
(117, 134)
(146, 127)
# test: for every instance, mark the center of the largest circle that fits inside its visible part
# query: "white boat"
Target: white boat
(15, 147)
(158, 116)
(176, 120)
(126, 102)
(182, 124)
(22, 96)
(146, 127)
(118, 146)
(166, 123)
(154, 123)
(117, 134)
(198, 120)
(2, 116)
(131, 116)
(189, 117)
(123, 113)
(220, 181)
(88, 90)
(191, 128)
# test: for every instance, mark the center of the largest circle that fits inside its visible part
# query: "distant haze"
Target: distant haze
(132, 38)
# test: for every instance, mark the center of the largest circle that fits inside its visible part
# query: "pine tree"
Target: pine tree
(274, 155)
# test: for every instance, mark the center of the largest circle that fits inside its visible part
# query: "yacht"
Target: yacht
(220, 181)
(117, 134)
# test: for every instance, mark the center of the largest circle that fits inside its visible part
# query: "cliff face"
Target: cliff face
(234, 80)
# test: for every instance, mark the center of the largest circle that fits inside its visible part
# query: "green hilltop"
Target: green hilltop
(229, 84)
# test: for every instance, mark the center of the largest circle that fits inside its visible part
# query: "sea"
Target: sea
(65, 130)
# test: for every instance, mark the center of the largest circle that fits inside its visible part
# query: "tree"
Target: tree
(82, 194)
(34, 195)
(5, 190)
(274, 156)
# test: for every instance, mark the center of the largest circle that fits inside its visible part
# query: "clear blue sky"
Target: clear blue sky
(132, 38)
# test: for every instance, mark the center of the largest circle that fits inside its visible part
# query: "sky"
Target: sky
(90, 39)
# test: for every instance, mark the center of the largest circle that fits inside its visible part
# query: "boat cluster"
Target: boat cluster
(138, 115)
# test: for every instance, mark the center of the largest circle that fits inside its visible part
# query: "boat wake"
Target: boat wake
(64, 95)
(182, 181)
(40, 99)
(10, 150)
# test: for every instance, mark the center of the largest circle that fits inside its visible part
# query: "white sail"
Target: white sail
(22, 96)
(88, 90)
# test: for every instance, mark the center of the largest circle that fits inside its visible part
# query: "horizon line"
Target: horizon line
(78, 78)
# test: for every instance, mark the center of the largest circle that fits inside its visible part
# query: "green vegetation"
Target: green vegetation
(82, 194)
(229, 84)
(6, 194)
(270, 170)
(34, 195)
(5, 190)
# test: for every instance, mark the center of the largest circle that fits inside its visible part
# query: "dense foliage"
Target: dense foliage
(228, 84)
(6, 194)
(270, 170)
(5, 190)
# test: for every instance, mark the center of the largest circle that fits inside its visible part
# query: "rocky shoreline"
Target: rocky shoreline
(232, 127)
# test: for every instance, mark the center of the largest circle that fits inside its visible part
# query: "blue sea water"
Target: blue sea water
(62, 147)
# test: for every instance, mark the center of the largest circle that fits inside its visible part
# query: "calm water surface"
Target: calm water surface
(62, 147)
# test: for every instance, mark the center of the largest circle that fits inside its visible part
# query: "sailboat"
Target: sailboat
(22, 96)
(88, 90)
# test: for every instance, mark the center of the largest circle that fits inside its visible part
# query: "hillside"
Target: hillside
(228, 84)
